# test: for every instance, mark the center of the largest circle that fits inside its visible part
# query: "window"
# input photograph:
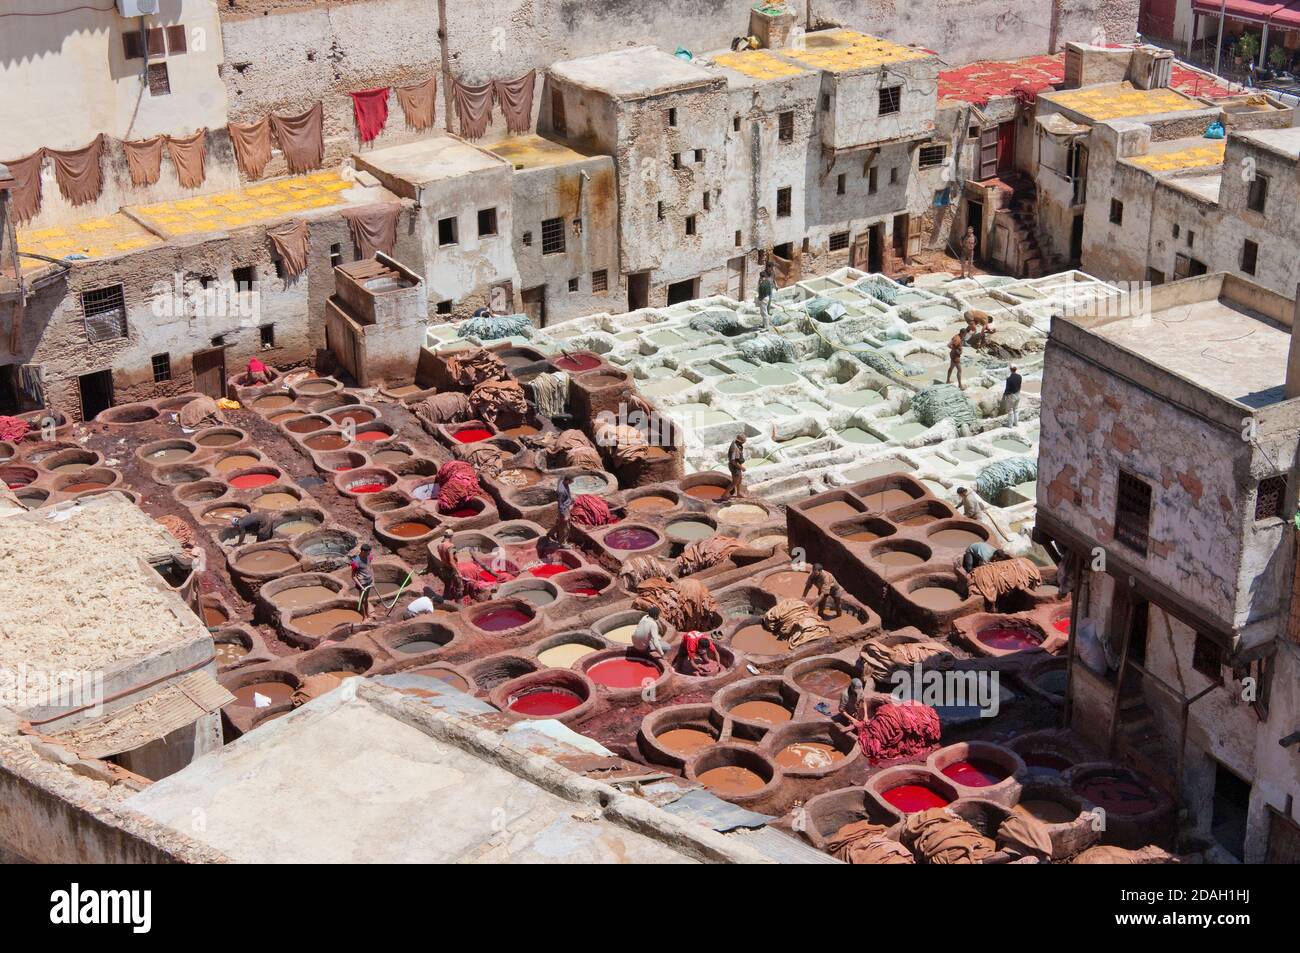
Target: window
(132, 45)
(785, 127)
(690, 224)
(487, 222)
(1133, 512)
(1191, 238)
(708, 201)
(699, 156)
(783, 202)
(891, 100)
(278, 264)
(872, 181)
(552, 236)
(104, 311)
(1270, 497)
(600, 280)
(659, 210)
(266, 335)
(1257, 197)
(527, 239)
(162, 367)
(218, 340)
(1249, 256)
(245, 278)
(826, 102)
(336, 255)
(1207, 658)
(558, 121)
(573, 285)
(932, 156)
(1116, 212)
(677, 160)
(443, 307)
(156, 40)
(447, 231)
(893, 175)
(841, 184)
(839, 241)
(175, 40)
(159, 83)
(672, 117)
(738, 238)
(735, 124)
(1177, 229)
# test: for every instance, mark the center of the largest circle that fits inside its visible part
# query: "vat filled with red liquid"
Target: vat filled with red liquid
(911, 798)
(630, 538)
(472, 435)
(544, 702)
(1009, 638)
(623, 673)
(975, 773)
(249, 481)
(501, 619)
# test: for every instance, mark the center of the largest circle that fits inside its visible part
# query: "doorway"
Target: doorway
(975, 220)
(96, 393)
(1076, 239)
(876, 251)
(736, 278)
(210, 372)
(1006, 146)
(900, 237)
(534, 303)
(638, 290)
(680, 292)
(1231, 804)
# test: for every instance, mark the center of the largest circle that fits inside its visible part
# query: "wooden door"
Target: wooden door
(736, 278)
(988, 152)
(210, 372)
(534, 301)
(1006, 146)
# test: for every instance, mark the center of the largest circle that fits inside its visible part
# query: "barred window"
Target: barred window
(932, 156)
(552, 236)
(783, 202)
(600, 280)
(785, 127)
(162, 368)
(1270, 497)
(891, 100)
(1133, 512)
(104, 311)
(176, 40)
(839, 241)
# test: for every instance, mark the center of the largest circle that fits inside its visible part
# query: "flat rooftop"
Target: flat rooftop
(633, 73)
(101, 237)
(74, 593)
(757, 65)
(1123, 100)
(1203, 187)
(260, 204)
(342, 780)
(843, 51)
(1285, 142)
(979, 82)
(1217, 344)
(429, 160)
(1178, 155)
(532, 151)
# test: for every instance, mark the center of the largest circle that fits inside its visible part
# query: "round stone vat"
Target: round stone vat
(811, 749)
(980, 769)
(201, 491)
(503, 617)
(736, 773)
(564, 649)
(220, 438)
(624, 675)
(292, 523)
(275, 686)
(825, 814)
(672, 736)
(551, 693)
(417, 637)
(94, 478)
(125, 415)
(906, 789)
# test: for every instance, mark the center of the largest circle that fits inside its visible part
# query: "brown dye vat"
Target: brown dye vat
(388, 457)
(897, 558)
(356, 416)
(237, 461)
(954, 538)
(887, 499)
(685, 741)
(301, 596)
(408, 529)
(707, 491)
(169, 455)
(320, 623)
(862, 536)
(275, 501)
(326, 441)
(223, 514)
(769, 713)
(756, 640)
(266, 560)
(272, 402)
(651, 503)
(918, 519)
(1049, 812)
(279, 693)
(824, 682)
(297, 527)
(935, 597)
(284, 415)
(731, 780)
(832, 510)
(519, 477)
(84, 487)
(788, 584)
(311, 388)
(523, 430)
(808, 756)
(213, 616)
(228, 653)
(220, 439)
(305, 425)
(78, 467)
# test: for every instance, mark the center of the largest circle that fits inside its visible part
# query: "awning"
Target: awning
(157, 716)
(1285, 14)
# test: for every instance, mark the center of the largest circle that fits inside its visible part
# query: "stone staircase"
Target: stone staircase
(1021, 205)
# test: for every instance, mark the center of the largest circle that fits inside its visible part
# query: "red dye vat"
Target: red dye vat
(498, 620)
(545, 701)
(1041, 764)
(1009, 638)
(577, 362)
(631, 538)
(548, 570)
(583, 591)
(1062, 625)
(975, 773)
(369, 435)
(460, 512)
(623, 673)
(341, 469)
(475, 571)
(1116, 795)
(367, 487)
(472, 435)
(910, 798)
(250, 480)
